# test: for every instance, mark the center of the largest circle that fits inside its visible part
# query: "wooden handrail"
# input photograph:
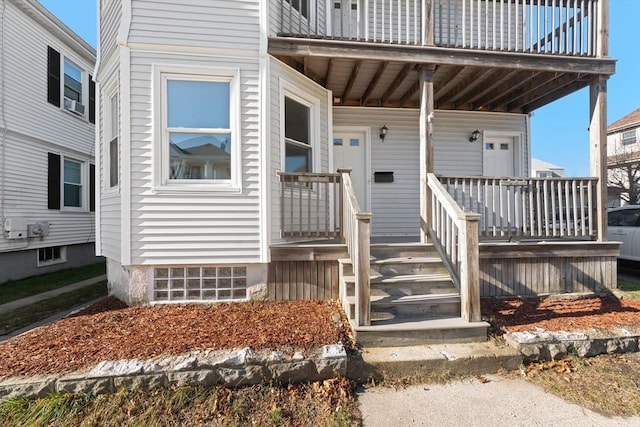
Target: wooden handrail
(356, 233)
(455, 235)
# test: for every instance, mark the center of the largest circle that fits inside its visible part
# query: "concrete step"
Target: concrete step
(382, 250)
(417, 331)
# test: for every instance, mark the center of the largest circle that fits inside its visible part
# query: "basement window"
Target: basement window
(52, 255)
(178, 284)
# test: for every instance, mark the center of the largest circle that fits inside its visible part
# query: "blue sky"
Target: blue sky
(559, 130)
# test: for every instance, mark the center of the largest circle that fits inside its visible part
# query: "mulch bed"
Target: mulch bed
(110, 330)
(558, 314)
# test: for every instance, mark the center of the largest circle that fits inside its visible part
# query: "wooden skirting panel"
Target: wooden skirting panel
(303, 280)
(542, 269)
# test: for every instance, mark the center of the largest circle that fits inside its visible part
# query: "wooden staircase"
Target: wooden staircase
(413, 299)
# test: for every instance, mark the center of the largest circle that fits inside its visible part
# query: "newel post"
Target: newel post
(469, 268)
(363, 269)
(341, 171)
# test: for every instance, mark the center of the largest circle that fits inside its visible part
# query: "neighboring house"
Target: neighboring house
(46, 143)
(222, 125)
(623, 160)
(542, 169)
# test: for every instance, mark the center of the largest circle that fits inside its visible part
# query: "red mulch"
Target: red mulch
(111, 331)
(514, 315)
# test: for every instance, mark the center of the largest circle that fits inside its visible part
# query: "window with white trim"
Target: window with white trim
(298, 136)
(301, 6)
(113, 150)
(69, 86)
(198, 130)
(629, 137)
(52, 255)
(72, 183)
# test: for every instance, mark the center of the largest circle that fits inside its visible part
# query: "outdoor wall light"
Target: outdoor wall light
(383, 132)
(475, 135)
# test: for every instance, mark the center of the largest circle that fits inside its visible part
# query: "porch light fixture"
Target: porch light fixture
(383, 132)
(475, 135)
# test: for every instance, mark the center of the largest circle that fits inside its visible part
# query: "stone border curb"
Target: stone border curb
(543, 345)
(207, 368)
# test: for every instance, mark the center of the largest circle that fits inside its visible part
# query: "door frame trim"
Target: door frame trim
(367, 157)
(518, 149)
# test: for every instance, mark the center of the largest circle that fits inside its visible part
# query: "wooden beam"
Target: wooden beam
(452, 81)
(373, 83)
(327, 77)
(410, 93)
(493, 85)
(425, 55)
(469, 84)
(532, 85)
(513, 85)
(598, 150)
(543, 90)
(352, 78)
(396, 83)
(555, 95)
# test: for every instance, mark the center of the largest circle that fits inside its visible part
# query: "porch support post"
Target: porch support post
(598, 150)
(426, 148)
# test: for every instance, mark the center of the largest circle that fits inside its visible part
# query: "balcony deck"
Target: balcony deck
(495, 55)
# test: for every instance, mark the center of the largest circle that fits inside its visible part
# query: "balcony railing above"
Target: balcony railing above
(559, 27)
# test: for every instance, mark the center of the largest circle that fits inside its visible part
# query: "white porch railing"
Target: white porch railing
(455, 236)
(537, 208)
(356, 233)
(307, 208)
(564, 27)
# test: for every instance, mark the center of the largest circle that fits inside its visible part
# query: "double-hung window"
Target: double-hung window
(72, 187)
(629, 137)
(70, 183)
(69, 86)
(297, 136)
(113, 154)
(302, 6)
(199, 147)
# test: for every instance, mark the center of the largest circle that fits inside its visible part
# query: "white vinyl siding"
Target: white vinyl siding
(25, 85)
(110, 199)
(204, 24)
(35, 128)
(281, 75)
(396, 206)
(26, 196)
(110, 21)
(200, 227)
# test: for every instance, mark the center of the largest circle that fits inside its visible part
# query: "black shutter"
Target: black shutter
(92, 188)
(53, 76)
(54, 182)
(92, 100)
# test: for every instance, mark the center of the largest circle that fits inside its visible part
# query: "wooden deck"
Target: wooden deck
(309, 270)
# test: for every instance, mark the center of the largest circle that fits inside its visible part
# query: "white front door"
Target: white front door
(498, 156)
(345, 19)
(349, 151)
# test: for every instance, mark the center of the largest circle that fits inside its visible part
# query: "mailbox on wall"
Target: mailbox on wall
(383, 177)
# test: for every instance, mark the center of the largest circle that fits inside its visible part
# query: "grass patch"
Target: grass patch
(32, 313)
(327, 403)
(609, 384)
(630, 288)
(16, 289)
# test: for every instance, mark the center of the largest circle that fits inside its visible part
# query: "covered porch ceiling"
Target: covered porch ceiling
(382, 75)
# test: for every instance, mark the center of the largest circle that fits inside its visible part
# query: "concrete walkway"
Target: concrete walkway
(14, 305)
(502, 401)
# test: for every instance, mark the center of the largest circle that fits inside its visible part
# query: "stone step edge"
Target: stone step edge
(228, 368)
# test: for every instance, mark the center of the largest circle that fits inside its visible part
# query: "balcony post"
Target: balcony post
(602, 47)
(341, 171)
(598, 150)
(426, 148)
(427, 23)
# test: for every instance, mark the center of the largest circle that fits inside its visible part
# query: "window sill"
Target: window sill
(52, 262)
(196, 188)
(111, 192)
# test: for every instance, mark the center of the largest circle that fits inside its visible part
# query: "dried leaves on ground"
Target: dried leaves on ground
(554, 314)
(609, 384)
(112, 331)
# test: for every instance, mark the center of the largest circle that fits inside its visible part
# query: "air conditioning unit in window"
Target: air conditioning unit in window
(73, 106)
